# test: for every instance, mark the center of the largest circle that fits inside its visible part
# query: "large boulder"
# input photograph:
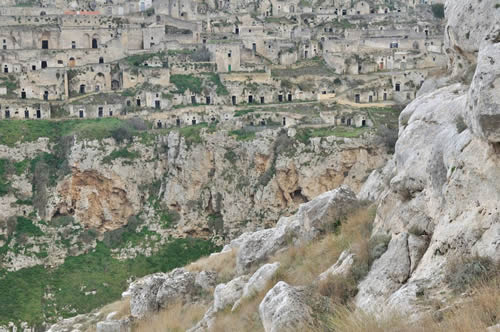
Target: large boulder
(284, 309)
(342, 267)
(179, 284)
(227, 294)
(484, 93)
(158, 290)
(311, 220)
(467, 25)
(258, 282)
(143, 294)
(114, 326)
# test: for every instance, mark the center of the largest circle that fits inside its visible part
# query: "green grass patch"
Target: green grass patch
(186, 82)
(243, 112)
(121, 154)
(192, 134)
(4, 182)
(242, 135)
(25, 226)
(304, 135)
(23, 291)
(221, 89)
(138, 60)
(14, 131)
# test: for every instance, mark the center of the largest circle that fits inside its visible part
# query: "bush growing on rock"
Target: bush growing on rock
(462, 272)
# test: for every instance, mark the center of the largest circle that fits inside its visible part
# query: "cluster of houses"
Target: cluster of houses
(91, 59)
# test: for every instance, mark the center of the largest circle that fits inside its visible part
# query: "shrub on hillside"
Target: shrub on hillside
(462, 272)
(387, 137)
(122, 134)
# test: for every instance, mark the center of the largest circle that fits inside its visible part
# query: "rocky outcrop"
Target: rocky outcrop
(310, 221)
(113, 326)
(258, 282)
(218, 188)
(483, 100)
(156, 291)
(341, 268)
(440, 195)
(284, 309)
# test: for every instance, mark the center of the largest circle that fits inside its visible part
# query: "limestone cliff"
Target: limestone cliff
(441, 191)
(216, 187)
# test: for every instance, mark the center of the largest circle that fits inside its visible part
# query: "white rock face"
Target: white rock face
(143, 294)
(260, 278)
(304, 226)
(468, 24)
(341, 267)
(257, 282)
(484, 94)
(227, 294)
(113, 326)
(442, 198)
(284, 309)
(159, 290)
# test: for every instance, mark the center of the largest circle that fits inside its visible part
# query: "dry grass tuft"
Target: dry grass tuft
(222, 263)
(177, 317)
(476, 313)
(121, 307)
(302, 265)
(339, 288)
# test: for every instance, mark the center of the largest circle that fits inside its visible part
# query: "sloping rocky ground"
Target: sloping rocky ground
(437, 205)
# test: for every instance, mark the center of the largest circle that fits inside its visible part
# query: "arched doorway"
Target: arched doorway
(94, 43)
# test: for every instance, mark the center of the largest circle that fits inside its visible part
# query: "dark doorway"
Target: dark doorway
(26, 114)
(370, 99)
(357, 98)
(7, 114)
(100, 112)
(250, 99)
(385, 96)
(280, 98)
(159, 124)
(157, 104)
(23, 94)
(233, 100)
(44, 64)
(237, 31)
(138, 102)
(193, 100)
(5, 69)
(349, 121)
(207, 99)
(284, 121)
(254, 47)
(178, 122)
(94, 43)
(82, 88)
(193, 122)
(38, 114)
(363, 123)
(398, 87)
(101, 60)
(81, 114)
(262, 100)
(46, 95)
(45, 44)
(289, 97)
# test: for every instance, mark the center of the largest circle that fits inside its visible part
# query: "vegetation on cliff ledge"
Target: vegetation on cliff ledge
(83, 283)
